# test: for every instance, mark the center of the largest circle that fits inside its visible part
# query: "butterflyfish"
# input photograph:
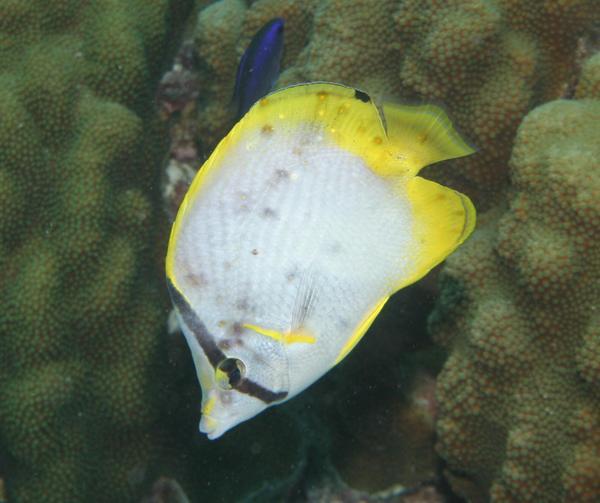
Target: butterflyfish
(305, 219)
(259, 66)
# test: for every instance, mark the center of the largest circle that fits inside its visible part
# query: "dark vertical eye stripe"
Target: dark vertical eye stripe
(206, 341)
(257, 391)
(213, 353)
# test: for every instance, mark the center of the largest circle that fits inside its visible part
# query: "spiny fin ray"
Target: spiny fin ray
(423, 134)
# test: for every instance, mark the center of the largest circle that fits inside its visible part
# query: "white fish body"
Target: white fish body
(303, 222)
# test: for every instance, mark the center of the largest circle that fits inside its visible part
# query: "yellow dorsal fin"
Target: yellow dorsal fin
(423, 135)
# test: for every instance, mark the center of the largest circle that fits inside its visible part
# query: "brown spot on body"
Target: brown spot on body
(377, 140)
(254, 251)
(267, 129)
(335, 247)
(196, 280)
(237, 328)
(269, 213)
(306, 139)
(290, 277)
(242, 305)
(322, 95)
(282, 174)
(225, 344)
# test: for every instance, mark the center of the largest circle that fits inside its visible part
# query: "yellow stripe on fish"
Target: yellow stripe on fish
(288, 337)
(307, 216)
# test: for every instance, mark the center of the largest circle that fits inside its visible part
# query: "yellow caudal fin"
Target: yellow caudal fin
(443, 219)
(423, 135)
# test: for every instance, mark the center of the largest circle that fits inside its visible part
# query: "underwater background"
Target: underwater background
(479, 383)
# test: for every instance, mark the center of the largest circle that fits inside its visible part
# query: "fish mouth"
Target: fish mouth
(210, 427)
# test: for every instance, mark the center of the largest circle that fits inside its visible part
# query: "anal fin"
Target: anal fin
(360, 330)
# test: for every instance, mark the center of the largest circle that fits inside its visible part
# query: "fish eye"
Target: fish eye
(230, 372)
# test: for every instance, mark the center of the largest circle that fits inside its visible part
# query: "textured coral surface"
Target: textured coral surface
(80, 321)
(520, 394)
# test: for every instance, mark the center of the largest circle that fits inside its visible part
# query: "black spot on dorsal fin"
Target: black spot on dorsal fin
(362, 96)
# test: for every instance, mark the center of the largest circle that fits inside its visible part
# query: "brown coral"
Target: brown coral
(520, 394)
(489, 62)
